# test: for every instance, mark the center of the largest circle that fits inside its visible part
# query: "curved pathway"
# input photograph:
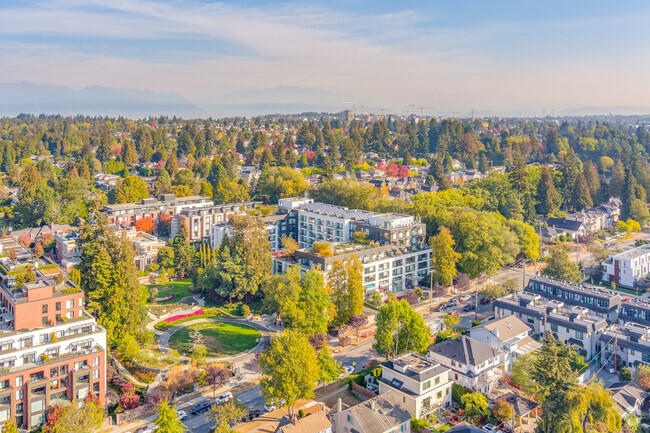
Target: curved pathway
(265, 330)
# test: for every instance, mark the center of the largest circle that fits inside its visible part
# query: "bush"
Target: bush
(152, 267)
(457, 392)
(245, 310)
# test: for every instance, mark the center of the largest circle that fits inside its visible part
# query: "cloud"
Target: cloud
(396, 58)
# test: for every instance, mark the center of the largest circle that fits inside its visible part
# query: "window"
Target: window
(43, 338)
(44, 309)
(96, 361)
(579, 335)
(95, 374)
(70, 315)
(69, 303)
(426, 385)
(553, 327)
(19, 395)
(81, 302)
(437, 380)
(530, 319)
(19, 381)
(350, 418)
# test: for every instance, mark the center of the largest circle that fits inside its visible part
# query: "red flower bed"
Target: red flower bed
(183, 316)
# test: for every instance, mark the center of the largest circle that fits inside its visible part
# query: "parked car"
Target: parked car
(272, 407)
(490, 428)
(347, 370)
(465, 298)
(252, 414)
(149, 428)
(181, 415)
(224, 398)
(201, 407)
(469, 307)
(455, 313)
(484, 301)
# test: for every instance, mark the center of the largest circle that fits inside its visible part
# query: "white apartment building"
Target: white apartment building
(627, 267)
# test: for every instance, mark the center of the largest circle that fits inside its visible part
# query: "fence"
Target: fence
(358, 389)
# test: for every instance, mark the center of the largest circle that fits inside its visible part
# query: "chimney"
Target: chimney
(339, 405)
(372, 404)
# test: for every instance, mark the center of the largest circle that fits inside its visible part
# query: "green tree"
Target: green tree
(36, 207)
(225, 414)
(559, 266)
(443, 257)
(163, 182)
(450, 321)
(10, 427)
(642, 376)
(625, 375)
(167, 421)
(230, 191)
(345, 282)
(129, 154)
(73, 418)
(183, 252)
(280, 182)
(130, 190)
(548, 198)
(476, 406)
(581, 198)
(493, 291)
(400, 329)
(289, 368)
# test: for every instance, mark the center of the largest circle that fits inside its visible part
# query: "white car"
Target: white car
(347, 370)
(272, 407)
(181, 415)
(224, 398)
(490, 428)
(149, 428)
(465, 298)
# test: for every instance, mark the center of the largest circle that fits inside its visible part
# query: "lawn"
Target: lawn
(234, 309)
(180, 289)
(220, 338)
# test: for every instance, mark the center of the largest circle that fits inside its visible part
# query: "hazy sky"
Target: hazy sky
(449, 55)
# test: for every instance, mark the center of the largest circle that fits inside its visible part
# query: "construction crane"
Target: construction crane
(423, 108)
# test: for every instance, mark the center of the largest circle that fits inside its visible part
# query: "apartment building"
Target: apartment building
(473, 364)
(16, 260)
(199, 220)
(572, 324)
(603, 302)
(51, 351)
(628, 267)
(385, 268)
(146, 248)
(126, 214)
(67, 251)
(423, 384)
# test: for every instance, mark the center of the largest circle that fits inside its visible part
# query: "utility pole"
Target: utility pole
(616, 350)
(431, 289)
(523, 281)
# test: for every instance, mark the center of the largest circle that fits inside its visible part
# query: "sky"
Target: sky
(444, 56)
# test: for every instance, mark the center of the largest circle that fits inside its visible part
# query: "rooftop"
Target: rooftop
(634, 253)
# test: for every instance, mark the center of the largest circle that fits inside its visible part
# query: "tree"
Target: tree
(400, 329)
(109, 280)
(581, 198)
(290, 368)
(217, 375)
(36, 206)
(559, 266)
(346, 288)
(548, 198)
(357, 322)
(625, 375)
(38, 249)
(450, 321)
(642, 376)
(10, 427)
(167, 421)
(130, 190)
(129, 399)
(493, 291)
(230, 191)
(163, 182)
(289, 244)
(280, 182)
(73, 418)
(145, 224)
(476, 406)
(225, 414)
(30, 177)
(639, 212)
(183, 251)
(443, 257)
(502, 410)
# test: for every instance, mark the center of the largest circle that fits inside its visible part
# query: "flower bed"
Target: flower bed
(165, 299)
(184, 316)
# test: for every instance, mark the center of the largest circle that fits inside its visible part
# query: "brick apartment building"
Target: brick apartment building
(51, 351)
(126, 214)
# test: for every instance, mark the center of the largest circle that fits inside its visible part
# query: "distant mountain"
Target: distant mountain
(603, 111)
(281, 99)
(16, 98)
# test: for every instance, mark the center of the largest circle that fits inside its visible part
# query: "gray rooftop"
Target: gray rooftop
(465, 350)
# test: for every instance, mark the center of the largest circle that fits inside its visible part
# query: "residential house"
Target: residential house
(629, 341)
(317, 422)
(628, 267)
(382, 414)
(68, 254)
(567, 227)
(629, 396)
(508, 333)
(473, 364)
(424, 385)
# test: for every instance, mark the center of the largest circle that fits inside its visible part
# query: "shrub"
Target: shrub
(245, 310)
(457, 392)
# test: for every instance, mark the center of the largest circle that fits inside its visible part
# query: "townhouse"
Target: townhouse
(625, 345)
(424, 385)
(473, 364)
(200, 220)
(572, 324)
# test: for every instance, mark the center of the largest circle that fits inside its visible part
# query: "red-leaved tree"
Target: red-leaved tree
(145, 225)
(402, 171)
(25, 239)
(53, 416)
(392, 169)
(129, 399)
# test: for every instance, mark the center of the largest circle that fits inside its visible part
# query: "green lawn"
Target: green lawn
(180, 289)
(234, 309)
(220, 338)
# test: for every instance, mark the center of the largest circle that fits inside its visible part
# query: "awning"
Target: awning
(8, 359)
(6, 317)
(527, 345)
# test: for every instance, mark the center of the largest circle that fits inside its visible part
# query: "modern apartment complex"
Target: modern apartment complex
(51, 350)
(628, 267)
(200, 220)
(127, 214)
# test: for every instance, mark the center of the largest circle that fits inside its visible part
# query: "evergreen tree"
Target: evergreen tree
(628, 195)
(279, 152)
(548, 198)
(581, 197)
(163, 182)
(617, 181)
(483, 164)
(167, 420)
(183, 252)
(105, 148)
(593, 182)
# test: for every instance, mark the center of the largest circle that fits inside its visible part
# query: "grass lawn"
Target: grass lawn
(220, 338)
(234, 309)
(179, 288)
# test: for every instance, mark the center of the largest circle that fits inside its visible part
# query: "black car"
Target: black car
(255, 413)
(469, 307)
(201, 407)
(484, 301)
